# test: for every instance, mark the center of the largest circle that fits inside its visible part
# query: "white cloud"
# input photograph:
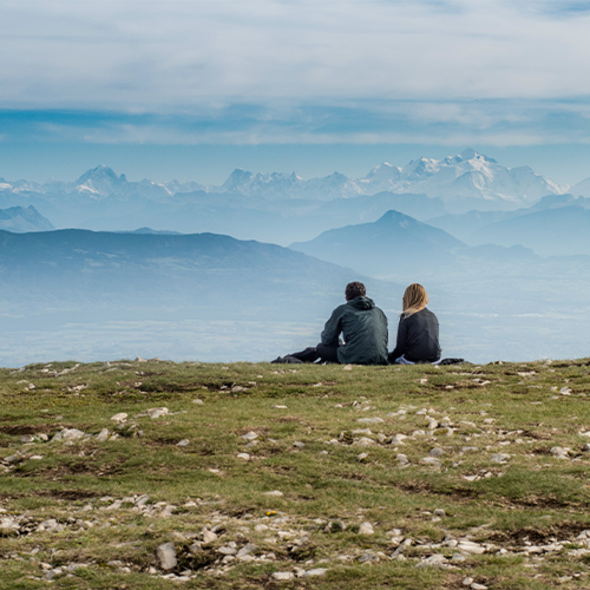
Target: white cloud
(157, 56)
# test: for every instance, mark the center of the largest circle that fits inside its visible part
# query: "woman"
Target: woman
(417, 334)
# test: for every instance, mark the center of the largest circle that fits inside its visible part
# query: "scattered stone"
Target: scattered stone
(370, 420)
(320, 571)
(250, 436)
(199, 402)
(154, 413)
(560, 452)
(440, 512)
(398, 439)
(167, 556)
(366, 528)
(243, 456)
(283, 576)
(362, 457)
(183, 443)
(119, 418)
(298, 444)
(209, 536)
(436, 452)
(103, 435)
(365, 442)
(500, 458)
(276, 493)
(476, 586)
(467, 581)
(431, 461)
(279, 407)
(435, 560)
(238, 389)
(468, 546)
(347, 368)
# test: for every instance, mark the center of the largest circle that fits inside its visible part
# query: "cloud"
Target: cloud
(370, 122)
(189, 55)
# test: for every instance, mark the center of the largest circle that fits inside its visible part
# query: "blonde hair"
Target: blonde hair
(415, 299)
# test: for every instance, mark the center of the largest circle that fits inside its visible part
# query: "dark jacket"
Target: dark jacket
(417, 338)
(364, 329)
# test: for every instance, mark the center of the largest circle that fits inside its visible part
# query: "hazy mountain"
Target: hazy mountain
(393, 243)
(20, 219)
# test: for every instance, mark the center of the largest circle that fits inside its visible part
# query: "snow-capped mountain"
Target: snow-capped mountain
(469, 175)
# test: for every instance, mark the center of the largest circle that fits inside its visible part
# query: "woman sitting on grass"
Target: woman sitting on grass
(417, 333)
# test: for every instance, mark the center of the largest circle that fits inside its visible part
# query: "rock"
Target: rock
(167, 556)
(227, 550)
(279, 407)
(320, 571)
(560, 452)
(276, 493)
(431, 461)
(468, 546)
(69, 434)
(250, 436)
(467, 581)
(238, 389)
(154, 413)
(398, 439)
(586, 448)
(362, 457)
(103, 435)
(183, 443)
(500, 457)
(36, 457)
(119, 418)
(138, 359)
(246, 550)
(366, 528)
(476, 586)
(298, 444)
(283, 576)
(347, 368)
(27, 438)
(432, 424)
(365, 442)
(435, 560)
(436, 452)
(209, 536)
(243, 456)
(440, 512)
(199, 402)
(370, 420)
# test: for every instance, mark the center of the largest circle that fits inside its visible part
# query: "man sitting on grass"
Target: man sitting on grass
(363, 327)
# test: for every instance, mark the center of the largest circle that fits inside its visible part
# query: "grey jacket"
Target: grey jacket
(364, 329)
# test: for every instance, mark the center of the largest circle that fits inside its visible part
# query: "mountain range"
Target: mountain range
(280, 207)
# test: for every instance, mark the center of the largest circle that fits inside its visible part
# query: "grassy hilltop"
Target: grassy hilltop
(140, 475)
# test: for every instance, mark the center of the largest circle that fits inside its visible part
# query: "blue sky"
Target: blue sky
(191, 89)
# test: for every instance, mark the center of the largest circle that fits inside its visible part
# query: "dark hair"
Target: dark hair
(353, 290)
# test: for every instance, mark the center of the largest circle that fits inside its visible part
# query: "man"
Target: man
(363, 327)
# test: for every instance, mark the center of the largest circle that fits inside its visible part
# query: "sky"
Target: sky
(192, 89)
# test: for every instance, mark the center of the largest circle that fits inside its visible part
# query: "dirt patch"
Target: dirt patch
(70, 495)
(562, 531)
(22, 429)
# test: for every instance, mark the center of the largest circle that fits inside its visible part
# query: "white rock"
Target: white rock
(476, 586)
(398, 439)
(103, 435)
(209, 536)
(238, 389)
(183, 443)
(435, 560)
(500, 457)
(276, 493)
(436, 452)
(243, 456)
(167, 556)
(199, 402)
(470, 547)
(361, 457)
(119, 418)
(279, 407)
(365, 442)
(431, 461)
(246, 550)
(366, 528)
(370, 420)
(467, 581)
(154, 413)
(298, 444)
(71, 434)
(283, 576)
(250, 436)
(320, 571)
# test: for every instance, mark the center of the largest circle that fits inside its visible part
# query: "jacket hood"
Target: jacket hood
(361, 302)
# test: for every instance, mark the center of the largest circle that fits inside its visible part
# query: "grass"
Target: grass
(526, 511)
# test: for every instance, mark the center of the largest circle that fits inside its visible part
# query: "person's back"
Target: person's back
(417, 338)
(417, 333)
(364, 331)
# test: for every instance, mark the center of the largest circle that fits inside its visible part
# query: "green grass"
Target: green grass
(532, 498)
